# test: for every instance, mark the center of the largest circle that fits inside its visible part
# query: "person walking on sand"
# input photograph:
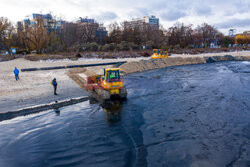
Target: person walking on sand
(16, 72)
(54, 83)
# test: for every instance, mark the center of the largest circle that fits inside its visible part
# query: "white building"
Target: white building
(152, 21)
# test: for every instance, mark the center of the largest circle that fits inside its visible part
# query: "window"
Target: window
(113, 76)
(163, 53)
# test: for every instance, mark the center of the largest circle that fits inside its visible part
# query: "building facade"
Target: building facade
(100, 32)
(86, 20)
(50, 23)
(140, 23)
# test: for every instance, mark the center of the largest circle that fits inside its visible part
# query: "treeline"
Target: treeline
(79, 37)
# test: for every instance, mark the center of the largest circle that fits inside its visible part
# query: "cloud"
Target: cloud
(234, 23)
(139, 12)
(204, 11)
(106, 16)
(172, 15)
(215, 12)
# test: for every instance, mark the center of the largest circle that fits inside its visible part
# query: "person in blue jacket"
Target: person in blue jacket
(16, 72)
(54, 83)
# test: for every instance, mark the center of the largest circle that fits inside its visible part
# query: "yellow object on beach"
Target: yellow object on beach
(107, 85)
(159, 54)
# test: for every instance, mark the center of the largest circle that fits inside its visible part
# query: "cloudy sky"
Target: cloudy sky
(223, 14)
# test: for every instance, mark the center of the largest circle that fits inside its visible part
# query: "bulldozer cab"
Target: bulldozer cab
(158, 53)
(112, 82)
(112, 75)
(164, 53)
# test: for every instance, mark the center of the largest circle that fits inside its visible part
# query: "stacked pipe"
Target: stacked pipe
(73, 66)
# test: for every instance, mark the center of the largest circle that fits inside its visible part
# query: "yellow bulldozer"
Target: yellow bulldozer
(159, 54)
(107, 85)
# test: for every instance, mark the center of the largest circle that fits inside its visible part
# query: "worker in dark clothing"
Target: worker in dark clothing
(16, 72)
(54, 83)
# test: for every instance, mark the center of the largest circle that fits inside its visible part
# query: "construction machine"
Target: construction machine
(108, 85)
(159, 54)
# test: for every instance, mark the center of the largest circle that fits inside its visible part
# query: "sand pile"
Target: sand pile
(142, 65)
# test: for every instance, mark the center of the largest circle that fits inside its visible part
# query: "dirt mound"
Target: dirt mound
(143, 65)
(151, 64)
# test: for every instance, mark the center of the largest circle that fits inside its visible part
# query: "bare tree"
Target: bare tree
(69, 34)
(142, 34)
(207, 34)
(36, 37)
(180, 35)
(126, 33)
(6, 33)
(115, 35)
(86, 32)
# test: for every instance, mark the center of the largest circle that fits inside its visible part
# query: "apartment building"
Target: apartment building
(50, 23)
(100, 31)
(86, 20)
(140, 23)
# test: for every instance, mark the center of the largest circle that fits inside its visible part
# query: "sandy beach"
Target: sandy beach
(34, 87)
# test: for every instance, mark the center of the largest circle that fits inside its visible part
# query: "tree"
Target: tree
(242, 39)
(227, 41)
(109, 47)
(115, 35)
(86, 32)
(6, 33)
(126, 33)
(207, 34)
(180, 35)
(141, 34)
(69, 34)
(36, 37)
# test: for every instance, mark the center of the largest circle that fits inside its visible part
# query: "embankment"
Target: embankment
(36, 109)
(143, 65)
(79, 74)
(33, 88)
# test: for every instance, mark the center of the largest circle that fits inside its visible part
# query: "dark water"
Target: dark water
(196, 115)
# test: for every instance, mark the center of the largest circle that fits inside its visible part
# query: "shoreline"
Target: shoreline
(43, 107)
(151, 64)
(79, 75)
(34, 88)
